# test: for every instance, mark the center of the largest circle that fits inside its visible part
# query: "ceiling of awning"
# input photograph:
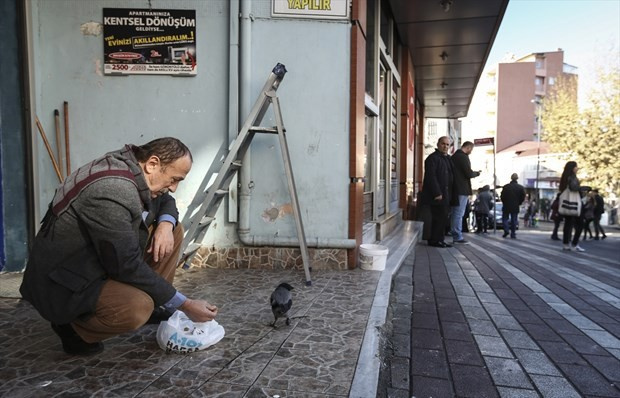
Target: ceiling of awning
(464, 34)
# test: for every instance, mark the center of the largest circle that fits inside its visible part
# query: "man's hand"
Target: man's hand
(198, 310)
(163, 241)
(439, 197)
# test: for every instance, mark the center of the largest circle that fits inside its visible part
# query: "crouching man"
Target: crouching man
(104, 259)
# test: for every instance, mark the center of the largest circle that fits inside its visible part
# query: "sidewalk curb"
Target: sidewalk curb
(366, 377)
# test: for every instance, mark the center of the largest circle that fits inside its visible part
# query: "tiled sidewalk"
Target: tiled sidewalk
(505, 318)
(316, 356)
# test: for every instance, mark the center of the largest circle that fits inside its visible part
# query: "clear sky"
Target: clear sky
(587, 30)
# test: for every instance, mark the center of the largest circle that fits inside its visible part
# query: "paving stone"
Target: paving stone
(506, 294)
(545, 312)
(492, 346)
(541, 332)
(536, 362)
(469, 301)
(506, 322)
(397, 393)
(526, 316)
(475, 313)
(472, 381)
(427, 387)
(518, 339)
(554, 387)
(456, 331)
(584, 344)
(426, 321)
(615, 353)
(424, 307)
(514, 304)
(562, 326)
(508, 392)
(589, 381)
(462, 352)
(561, 352)
(401, 325)
(400, 373)
(451, 303)
(426, 338)
(531, 300)
(607, 365)
(402, 310)
(507, 372)
(401, 344)
(488, 298)
(482, 327)
(431, 363)
(603, 338)
(451, 315)
(582, 322)
(496, 309)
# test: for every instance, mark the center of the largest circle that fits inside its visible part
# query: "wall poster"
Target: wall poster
(147, 41)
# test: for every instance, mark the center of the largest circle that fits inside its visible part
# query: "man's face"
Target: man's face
(163, 179)
(468, 149)
(443, 145)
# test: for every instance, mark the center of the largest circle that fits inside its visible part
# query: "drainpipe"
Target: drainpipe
(245, 177)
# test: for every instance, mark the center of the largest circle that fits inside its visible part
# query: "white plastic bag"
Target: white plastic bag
(180, 335)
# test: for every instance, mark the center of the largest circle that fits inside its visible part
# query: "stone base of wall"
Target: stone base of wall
(276, 258)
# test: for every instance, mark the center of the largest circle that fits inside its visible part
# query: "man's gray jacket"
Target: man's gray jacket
(95, 230)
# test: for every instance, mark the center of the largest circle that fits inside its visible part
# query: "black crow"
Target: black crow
(281, 302)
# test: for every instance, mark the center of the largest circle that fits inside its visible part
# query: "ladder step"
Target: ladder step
(259, 129)
(236, 164)
(191, 249)
(206, 220)
(221, 192)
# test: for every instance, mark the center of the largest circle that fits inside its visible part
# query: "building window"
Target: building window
(540, 63)
(372, 53)
(540, 81)
(551, 81)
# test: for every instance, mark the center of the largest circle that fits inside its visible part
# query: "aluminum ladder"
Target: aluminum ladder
(196, 223)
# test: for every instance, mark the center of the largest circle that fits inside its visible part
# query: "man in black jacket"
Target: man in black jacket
(462, 189)
(437, 190)
(599, 209)
(513, 194)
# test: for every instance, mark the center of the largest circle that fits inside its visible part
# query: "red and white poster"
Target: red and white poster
(147, 41)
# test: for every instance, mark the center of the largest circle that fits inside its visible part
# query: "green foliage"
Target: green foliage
(590, 136)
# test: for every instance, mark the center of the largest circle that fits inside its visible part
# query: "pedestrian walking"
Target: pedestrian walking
(571, 208)
(513, 195)
(588, 215)
(599, 209)
(556, 217)
(462, 189)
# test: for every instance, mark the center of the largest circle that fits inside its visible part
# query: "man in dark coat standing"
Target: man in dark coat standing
(462, 189)
(513, 194)
(437, 190)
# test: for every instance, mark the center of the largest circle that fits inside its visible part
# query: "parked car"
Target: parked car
(498, 217)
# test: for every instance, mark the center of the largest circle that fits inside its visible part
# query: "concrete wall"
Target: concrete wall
(107, 112)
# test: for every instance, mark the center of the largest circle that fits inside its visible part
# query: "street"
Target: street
(505, 317)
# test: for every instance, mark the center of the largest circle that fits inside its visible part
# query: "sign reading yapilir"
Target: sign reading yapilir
(315, 9)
